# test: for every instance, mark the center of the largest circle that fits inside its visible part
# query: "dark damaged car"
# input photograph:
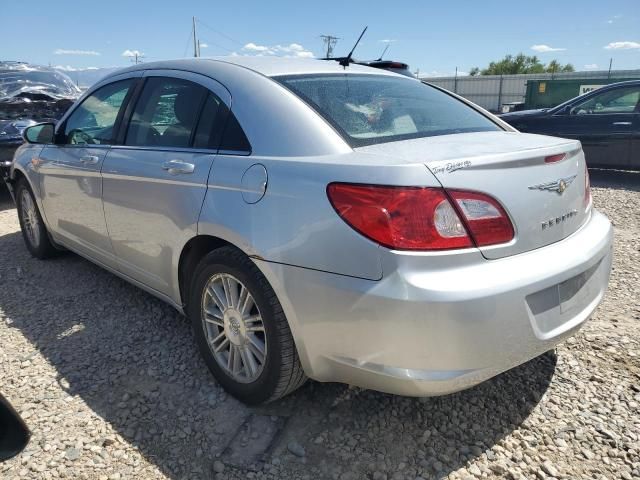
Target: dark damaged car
(29, 94)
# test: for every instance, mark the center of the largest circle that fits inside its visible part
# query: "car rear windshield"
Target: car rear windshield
(369, 109)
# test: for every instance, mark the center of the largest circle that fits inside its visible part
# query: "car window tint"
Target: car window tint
(93, 121)
(211, 123)
(369, 109)
(623, 100)
(234, 138)
(166, 113)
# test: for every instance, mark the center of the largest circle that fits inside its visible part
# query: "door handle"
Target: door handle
(89, 160)
(174, 167)
(626, 124)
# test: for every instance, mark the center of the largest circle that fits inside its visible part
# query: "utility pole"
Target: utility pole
(455, 82)
(610, 64)
(330, 41)
(195, 39)
(136, 57)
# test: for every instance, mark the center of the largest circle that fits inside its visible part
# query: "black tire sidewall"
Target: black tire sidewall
(264, 386)
(44, 247)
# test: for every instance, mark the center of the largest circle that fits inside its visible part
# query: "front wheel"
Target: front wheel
(241, 330)
(34, 231)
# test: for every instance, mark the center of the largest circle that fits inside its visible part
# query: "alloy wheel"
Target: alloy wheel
(234, 328)
(30, 218)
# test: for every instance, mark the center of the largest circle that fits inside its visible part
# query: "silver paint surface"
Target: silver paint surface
(413, 323)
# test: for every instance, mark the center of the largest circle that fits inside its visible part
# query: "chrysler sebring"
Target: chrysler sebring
(344, 224)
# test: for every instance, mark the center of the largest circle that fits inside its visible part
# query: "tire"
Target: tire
(34, 231)
(265, 364)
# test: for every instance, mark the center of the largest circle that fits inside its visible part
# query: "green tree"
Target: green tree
(521, 63)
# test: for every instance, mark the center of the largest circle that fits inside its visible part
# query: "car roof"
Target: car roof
(266, 65)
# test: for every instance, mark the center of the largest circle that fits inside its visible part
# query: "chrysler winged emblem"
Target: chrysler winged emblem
(558, 186)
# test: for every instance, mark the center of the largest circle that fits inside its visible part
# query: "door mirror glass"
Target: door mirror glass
(40, 133)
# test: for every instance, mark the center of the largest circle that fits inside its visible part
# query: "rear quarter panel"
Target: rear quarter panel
(294, 223)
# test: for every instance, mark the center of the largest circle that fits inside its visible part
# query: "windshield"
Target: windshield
(369, 109)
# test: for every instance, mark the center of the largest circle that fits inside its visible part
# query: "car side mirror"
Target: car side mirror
(42, 133)
(14, 434)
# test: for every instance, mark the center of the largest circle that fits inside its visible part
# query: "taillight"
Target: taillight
(420, 218)
(587, 189)
(487, 221)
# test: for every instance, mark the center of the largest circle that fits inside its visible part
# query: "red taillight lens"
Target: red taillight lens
(485, 218)
(402, 218)
(417, 218)
(555, 158)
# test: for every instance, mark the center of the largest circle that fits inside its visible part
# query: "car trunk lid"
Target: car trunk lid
(545, 200)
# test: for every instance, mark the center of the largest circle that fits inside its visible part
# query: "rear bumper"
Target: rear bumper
(430, 329)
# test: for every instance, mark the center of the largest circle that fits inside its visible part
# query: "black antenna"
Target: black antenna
(384, 51)
(347, 60)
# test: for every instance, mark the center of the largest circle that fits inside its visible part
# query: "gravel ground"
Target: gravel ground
(111, 385)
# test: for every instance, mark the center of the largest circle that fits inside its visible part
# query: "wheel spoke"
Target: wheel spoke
(242, 297)
(256, 348)
(230, 358)
(247, 305)
(248, 362)
(237, 361)
(228, 291)
(252, 319)
(217, 298)
(213, 313)
(215, 321)
(222, 345)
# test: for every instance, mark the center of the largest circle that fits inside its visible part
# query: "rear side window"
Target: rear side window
(234, 138)
(211, 124)
(166, 113)
(93, 121)
(219, 129)
(369, 109)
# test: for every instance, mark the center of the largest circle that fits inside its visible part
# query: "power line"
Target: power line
(186, 47)
(200, 22)
(330, 41)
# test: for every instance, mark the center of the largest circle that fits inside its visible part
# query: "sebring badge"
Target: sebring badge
(558, 186)
(552, 222)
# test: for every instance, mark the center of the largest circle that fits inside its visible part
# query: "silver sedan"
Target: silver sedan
(312, 220)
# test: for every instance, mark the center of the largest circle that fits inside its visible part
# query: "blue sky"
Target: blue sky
(435, 37)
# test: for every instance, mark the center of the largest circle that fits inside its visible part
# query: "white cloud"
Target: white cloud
(69, 68)
(62, 51)
(252, 47)
(132, 53)
(387, 40)
(203, 45)
(622, 46)
(591, 66)
(545, 48)
(291, 50)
